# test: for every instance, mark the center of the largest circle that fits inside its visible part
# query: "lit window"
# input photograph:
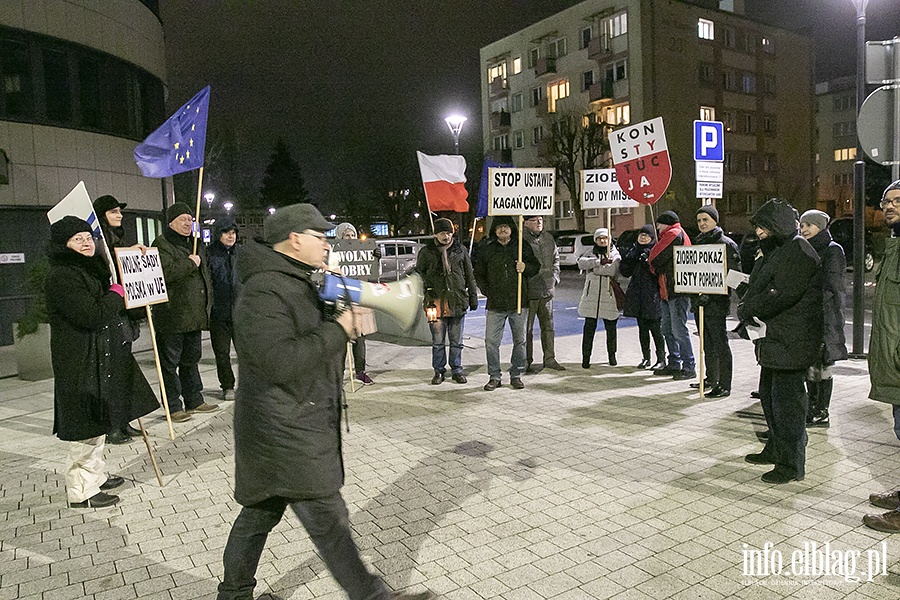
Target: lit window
(619, 114)
(705, 29)
(768, 45)
(707, 113)
(557, 91)
(616, 25)
(517, 65)
(842, 154)
(497, 71)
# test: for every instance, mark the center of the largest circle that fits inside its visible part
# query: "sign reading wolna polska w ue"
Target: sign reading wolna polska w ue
(521, 191)
(142, 277)
(600, 189)
(700, 269)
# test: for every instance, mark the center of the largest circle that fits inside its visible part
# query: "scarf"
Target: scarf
(665, 240)
(445, 261)
(177, 239)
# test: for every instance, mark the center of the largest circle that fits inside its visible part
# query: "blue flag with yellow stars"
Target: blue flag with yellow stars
(178, 145)
(481, 209)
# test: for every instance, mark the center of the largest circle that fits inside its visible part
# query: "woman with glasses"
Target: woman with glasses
(93, 367)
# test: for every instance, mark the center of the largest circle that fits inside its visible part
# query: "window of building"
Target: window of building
(707, 113)
(769, 85)
(750, 42)
(770, 163)
(705, 29)
(728, 120)
(727, 163)
(500, 142)
(537, 134)
(768, 45)
(557, 48)
(619, 114)
(89, 91)
(517, 65)
(842, 154)
(845, 128)
(557, 91)
(768, 122)
(563, 208)
(707, 73)
(842, 179)
(498, 70)
(616, 25)
(748, 123)
(587, 80)
(748, 163)
(587, 33)
(537, 94)
(58, 96)
(844, 102)
(730, 80)
(518, 139)
(518, 101)
(533, 57)
(15, 66)
(748, 83)
(730, 36)
(617, 70)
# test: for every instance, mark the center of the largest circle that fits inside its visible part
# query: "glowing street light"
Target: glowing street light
(455, 123)
(228, 206)
(209, 197)
(271, 210)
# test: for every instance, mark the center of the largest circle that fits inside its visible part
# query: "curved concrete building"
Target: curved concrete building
(81, 83)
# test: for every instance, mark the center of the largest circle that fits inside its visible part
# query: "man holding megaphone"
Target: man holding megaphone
(287, 413)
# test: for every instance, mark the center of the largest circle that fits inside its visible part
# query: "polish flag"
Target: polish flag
(444, 177)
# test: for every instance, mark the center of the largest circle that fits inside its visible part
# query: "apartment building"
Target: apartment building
(835, 145)
(626, 61)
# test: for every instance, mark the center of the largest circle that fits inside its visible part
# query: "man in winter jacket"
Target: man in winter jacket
(180, 321)
(287, 413)
(785, 294)
(718, 358)
(450, 290)
(540, 293)
(884, 347)
(675, 307)
(497, 266)
(223, 271)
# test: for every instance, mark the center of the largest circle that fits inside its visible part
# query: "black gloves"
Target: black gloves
(473, 303)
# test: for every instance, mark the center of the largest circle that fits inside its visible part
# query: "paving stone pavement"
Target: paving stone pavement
(599, 483)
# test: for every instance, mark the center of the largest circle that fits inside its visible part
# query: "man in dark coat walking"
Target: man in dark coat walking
(450, 290)
(783, 293)
(180, 321)
(288, 408)
(223, 272)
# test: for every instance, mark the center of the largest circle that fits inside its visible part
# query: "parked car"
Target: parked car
(571, 246)
(398, 258)
(842, 232)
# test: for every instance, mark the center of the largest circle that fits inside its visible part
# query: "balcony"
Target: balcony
(500, 119)
(601, 91)
(545, 65)
(499, 86)
(598, 47)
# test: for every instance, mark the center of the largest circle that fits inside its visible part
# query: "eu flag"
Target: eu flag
(179, 144)
(481, 209)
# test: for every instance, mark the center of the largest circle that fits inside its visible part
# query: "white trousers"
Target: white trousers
(85, 468)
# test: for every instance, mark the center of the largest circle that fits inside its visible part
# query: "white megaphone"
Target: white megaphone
(401, 299)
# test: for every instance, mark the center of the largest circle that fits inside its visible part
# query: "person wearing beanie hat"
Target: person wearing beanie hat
(675, 307)
(884, 361)
(600, 299)
(716, 307)
(497, 267)
(223, 256)
(365, 316)
(642, 297)
(541, 289)
(180, 322)
(784, 292)
(287, 413)
(833, 266)
(450, 291)
(92, 388)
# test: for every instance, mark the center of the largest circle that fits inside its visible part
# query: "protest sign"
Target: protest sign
(700, 269)
(355, 258)
(600, 189)
(142, 277)
(521, 191)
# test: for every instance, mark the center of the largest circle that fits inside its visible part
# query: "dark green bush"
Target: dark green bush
(36, 313)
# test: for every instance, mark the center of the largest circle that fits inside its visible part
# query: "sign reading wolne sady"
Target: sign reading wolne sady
(142, 277)
(600, 189)
(521, 191)
(700, 269)
(356, 258)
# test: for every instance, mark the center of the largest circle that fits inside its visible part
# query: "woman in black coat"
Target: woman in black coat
(819, 378)
(642, 297)
(97, 382)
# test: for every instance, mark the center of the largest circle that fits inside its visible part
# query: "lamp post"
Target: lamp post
(209, 197)
(455, 123)
(228, 206)
(859, 188)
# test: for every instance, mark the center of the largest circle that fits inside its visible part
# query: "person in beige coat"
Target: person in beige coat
(598, 299)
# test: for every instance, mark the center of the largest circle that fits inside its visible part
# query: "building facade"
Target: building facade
(626, 61)
(82, 83)
(835, 145)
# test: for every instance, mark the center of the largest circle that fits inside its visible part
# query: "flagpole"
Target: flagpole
(197, 218)
(519, 273)
(472, 235)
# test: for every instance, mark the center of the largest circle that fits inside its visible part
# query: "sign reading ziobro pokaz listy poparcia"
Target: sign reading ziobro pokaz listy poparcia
(521, 191)
(642, 162)
(142, 277)
(700, 269)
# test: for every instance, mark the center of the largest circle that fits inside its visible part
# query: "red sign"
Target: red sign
(641, 156)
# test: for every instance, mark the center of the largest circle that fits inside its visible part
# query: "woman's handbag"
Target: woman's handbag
(618, 292)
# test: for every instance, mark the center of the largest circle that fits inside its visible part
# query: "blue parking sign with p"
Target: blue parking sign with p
(709, 141)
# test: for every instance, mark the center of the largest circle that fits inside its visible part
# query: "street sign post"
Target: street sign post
(641, 157)
(709, 141)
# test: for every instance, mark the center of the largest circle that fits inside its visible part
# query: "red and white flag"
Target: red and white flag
(444, 178)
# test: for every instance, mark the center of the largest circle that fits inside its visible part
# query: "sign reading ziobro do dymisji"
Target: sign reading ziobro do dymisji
(142, 277)
(521, 191)
(642, 162)
(700, 269)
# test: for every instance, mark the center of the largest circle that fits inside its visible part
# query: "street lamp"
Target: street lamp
(271, 210)
(209, 197)
(859, 187)
(228, 206)
(455, 123)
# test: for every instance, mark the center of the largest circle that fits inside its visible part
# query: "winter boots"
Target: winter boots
(819, 401)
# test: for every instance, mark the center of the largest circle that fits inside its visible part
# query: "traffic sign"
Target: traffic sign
(642, 162)
(877, 125)
(710, 171)
(709, 189)
(709, 140)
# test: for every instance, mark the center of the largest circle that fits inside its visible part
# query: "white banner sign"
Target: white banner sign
(356, 258)
(521, 191)
(700, 269)
(9, 258)
(710, 171)
(600, 189)
(141, 276)
(709, 189)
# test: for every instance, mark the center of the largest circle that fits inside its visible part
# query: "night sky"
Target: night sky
(355, 87)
